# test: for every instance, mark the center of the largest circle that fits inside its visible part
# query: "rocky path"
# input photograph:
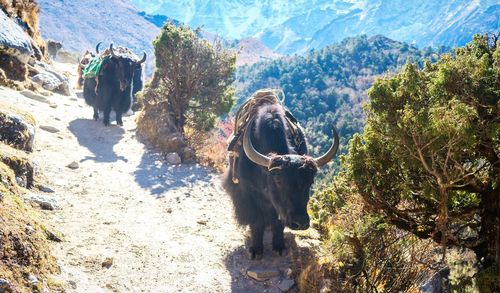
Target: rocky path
(130, 221)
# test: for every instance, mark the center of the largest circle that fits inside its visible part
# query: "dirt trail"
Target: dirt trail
(166, 228)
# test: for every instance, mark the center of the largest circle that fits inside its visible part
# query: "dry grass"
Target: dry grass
(23, 240)
(211, 147)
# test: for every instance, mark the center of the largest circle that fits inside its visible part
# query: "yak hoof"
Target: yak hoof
(119, 123)
(256, 252)
(279, 249)
(96, 117)
(106, 123)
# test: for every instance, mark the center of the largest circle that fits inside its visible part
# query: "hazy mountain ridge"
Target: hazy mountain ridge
(120, 22)
(297, 26)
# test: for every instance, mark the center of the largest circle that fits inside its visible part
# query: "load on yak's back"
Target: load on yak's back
(111, 79)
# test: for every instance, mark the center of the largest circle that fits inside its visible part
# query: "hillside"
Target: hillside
(296, 26)
(107, 21)
(58, 22)
(327, 87)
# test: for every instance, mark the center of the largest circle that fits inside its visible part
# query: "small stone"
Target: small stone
(4, 285)
(73, 99)
(53, 236)
(174, 158)
(34, 96)
(202, 221)
(107, 263)
(45, 203)
(286, 285)
(72, 284)
(29, 229)
(168, 210)
(32, 279)
(45, 189)
(262, 274)
(53, 105)
(73, 165)
(49, 128)
(289, 273)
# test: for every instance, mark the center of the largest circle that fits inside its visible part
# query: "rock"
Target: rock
(289, 273)
(53, 105)
(47, 80)
(4, 284)
(286, 285)
(107, 263)
(174, 158)
(20, 164)
(14, 39)
(2, 196)
(49, 128)
(45, 189)
(262, 274)
(202, 221)
(53, 236)
(35, 96)
(33, 279)
(188, 155)
(73, 165)
(45, 203)
(72, 284)
(29, 229)
(17, 131)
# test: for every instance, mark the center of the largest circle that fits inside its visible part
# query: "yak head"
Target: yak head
(125, 68)
(289, 178)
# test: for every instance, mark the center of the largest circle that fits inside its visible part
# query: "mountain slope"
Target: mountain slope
(297, 26)
(81, 24)
(327, 87)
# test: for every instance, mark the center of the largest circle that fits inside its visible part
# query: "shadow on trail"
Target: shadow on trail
(157, 175)
(98, 139)
(238, 262)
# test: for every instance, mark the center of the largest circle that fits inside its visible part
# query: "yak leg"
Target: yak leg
(257, 237)
(278, 237)
(119, 118)
(107, 111)
(96, 111)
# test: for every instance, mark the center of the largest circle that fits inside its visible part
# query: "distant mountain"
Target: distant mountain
(295, 26)
(122, 23)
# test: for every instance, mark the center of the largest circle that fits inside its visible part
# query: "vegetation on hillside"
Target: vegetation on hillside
(425, 170)
(327, 87)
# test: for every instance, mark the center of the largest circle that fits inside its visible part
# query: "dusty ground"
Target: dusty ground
(166, 228)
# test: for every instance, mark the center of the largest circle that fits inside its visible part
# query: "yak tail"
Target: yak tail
(89, 88)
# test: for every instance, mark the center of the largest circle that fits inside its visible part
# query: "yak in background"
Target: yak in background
(112, 88)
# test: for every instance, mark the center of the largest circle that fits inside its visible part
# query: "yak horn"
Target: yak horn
(143, 58)
(320, 161)
(97, 47)
(251, 152)
(112, 52)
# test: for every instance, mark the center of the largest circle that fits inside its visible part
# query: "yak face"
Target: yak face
(290, 180)
(124, 71)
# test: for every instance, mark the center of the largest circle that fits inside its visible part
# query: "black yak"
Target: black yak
(112, 89)
(274, 176)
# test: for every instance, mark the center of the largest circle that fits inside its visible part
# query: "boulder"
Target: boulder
(16, 131)
(174, 159)
(13, 39)
(20, 165)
